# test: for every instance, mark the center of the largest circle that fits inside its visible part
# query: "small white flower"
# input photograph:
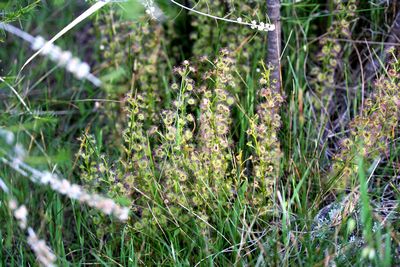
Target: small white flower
(21, 215)
(47, 48)
(75, 191)
(43, 253)
(270, 27)
(46, 177)
(82, 70)
(55, 184)
(38, 43)
(84, 198)
(55, 53)
(65, 57)
(73, 64)
(107, 206)
(123, 214)
(65, 186)
(240, 20)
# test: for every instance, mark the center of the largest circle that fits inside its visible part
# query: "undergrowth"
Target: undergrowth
(190, 131)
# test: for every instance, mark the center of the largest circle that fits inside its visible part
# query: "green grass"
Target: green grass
(237, 235)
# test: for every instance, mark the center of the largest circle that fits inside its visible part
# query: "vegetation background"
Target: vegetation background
(222, 157)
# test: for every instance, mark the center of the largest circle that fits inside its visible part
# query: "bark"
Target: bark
(274, 44)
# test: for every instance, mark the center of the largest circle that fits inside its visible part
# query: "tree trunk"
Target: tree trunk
(274, 44)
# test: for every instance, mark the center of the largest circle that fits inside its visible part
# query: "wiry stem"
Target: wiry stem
(262, 26)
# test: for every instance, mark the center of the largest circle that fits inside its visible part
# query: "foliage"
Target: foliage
(189, 131)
